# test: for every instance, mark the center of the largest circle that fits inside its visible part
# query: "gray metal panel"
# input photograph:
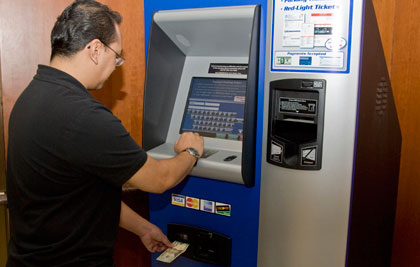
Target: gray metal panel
(221, 31)
(195, 39)
(165, 63)
(304, 214)
(250, 120)
(213, 166)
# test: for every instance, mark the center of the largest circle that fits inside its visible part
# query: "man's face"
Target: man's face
(107, 64)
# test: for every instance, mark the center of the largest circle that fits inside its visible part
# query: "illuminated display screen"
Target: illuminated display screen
(215, 108)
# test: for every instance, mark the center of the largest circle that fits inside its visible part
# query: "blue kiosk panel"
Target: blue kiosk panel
(230, 209)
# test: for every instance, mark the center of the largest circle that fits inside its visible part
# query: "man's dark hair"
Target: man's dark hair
(80, 23)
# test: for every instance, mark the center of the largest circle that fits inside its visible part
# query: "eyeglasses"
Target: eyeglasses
(119, 60)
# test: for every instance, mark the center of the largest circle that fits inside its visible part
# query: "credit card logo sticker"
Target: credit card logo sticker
(223, 209)
(201, 204)
(192, 203)
(207, 206)
(178, 200)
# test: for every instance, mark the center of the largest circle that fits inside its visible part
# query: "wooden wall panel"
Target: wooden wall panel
(400, 32)
(2, 148)
(25, 27)
(405, 74)
(129, 251)
(123, 92)
(3, 209)
(385, 14)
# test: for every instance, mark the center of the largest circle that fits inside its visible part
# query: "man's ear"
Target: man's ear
(94, 50)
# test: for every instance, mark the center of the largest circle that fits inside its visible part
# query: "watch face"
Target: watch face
(193, 152)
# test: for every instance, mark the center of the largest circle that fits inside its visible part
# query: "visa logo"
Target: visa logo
(178, 200)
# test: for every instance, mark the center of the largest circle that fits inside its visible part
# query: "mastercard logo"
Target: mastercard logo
(192, 202)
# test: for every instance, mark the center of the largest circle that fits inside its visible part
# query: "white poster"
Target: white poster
(311, 36)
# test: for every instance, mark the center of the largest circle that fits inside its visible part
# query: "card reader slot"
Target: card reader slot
(208, 152)
(307, 83)
(299, 119)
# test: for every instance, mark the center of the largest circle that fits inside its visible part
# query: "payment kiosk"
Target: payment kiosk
(204, 74)
(331, 142)
(302, 142)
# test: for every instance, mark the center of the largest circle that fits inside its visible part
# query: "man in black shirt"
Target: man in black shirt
(68, 155)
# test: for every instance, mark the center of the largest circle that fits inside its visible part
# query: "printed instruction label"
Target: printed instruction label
(311, 35)
(276, 152)
(308, 156)
(298, 105)
(233, 68)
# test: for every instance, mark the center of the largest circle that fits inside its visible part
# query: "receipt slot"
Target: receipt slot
(296, 119)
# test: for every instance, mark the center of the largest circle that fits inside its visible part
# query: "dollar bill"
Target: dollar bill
(170, 254)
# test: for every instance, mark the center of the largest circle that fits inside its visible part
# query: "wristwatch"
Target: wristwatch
(193, 152)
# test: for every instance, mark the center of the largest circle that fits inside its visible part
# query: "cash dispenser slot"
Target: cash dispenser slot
(296, 119)
(204, 245)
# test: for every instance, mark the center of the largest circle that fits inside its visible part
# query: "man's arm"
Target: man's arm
(157, 176)
(151, 236)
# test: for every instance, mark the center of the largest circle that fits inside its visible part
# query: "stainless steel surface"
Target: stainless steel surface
(304, 215)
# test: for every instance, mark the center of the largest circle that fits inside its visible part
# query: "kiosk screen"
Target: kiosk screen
(215, 108)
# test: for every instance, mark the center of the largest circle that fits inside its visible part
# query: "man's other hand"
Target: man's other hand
(154, 240)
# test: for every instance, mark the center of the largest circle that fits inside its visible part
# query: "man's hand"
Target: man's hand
(151, 236)
(154, 240)
(157, 176)
(189, 139)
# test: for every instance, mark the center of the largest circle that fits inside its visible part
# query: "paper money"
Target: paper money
(170, 254)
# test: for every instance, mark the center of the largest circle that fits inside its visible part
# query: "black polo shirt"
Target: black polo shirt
(68, 156)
